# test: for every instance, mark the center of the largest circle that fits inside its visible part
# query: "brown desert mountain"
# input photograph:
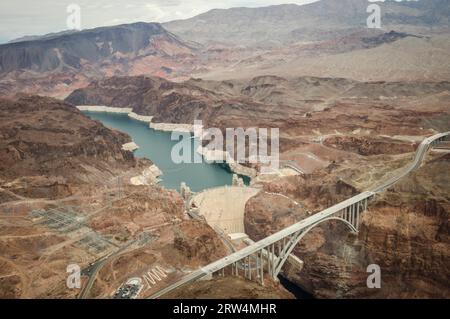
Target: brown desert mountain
(328, 38)
(351, 103)
(55, 64)
(66, 197)
(405, 232)
(264, 100)
(290, 23)
(346, 135)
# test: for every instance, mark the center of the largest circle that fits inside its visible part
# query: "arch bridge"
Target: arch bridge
(267, 256)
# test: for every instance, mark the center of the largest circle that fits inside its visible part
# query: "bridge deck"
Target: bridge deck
(303, 224)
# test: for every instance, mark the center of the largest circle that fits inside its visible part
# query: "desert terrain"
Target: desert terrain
(66, 198)
(352, 105)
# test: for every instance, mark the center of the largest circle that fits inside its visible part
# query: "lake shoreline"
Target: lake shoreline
(158, 146)
(235, 168)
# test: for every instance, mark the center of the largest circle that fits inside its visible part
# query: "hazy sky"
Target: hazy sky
(35, 17)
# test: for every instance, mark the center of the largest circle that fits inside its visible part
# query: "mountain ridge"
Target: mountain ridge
(282, 22)
(318, 39)
(91, 45)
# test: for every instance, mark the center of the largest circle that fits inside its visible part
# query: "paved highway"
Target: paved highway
(303, 224)
(418, 158)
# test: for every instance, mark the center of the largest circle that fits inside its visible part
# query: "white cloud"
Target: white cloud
(31, 17)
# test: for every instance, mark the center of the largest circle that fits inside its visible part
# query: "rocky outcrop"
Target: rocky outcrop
(68, 50)
(270, 101)
(287, 23)
(130, 147)
(45, 142)
(57, 64)
(106, 109)
(148, 176)
(166, 101)
(66, 197)
(229, 288)
(205, 248)
(38, 186)
(369, 145)
(405, 232)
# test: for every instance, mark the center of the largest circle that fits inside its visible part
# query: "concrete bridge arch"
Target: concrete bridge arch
(296, 240)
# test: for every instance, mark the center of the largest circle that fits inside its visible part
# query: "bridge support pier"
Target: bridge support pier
(283, 242)
(261, 267)
(249, 268)
(352, 215)
(272, 261)
(271, 258)
(357, 217)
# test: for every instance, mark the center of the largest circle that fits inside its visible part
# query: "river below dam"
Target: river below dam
(157, 146)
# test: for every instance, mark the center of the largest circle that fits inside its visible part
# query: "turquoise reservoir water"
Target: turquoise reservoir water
(157, 146)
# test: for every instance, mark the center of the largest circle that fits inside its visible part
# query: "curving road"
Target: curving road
(305, 223)
(418, 158)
